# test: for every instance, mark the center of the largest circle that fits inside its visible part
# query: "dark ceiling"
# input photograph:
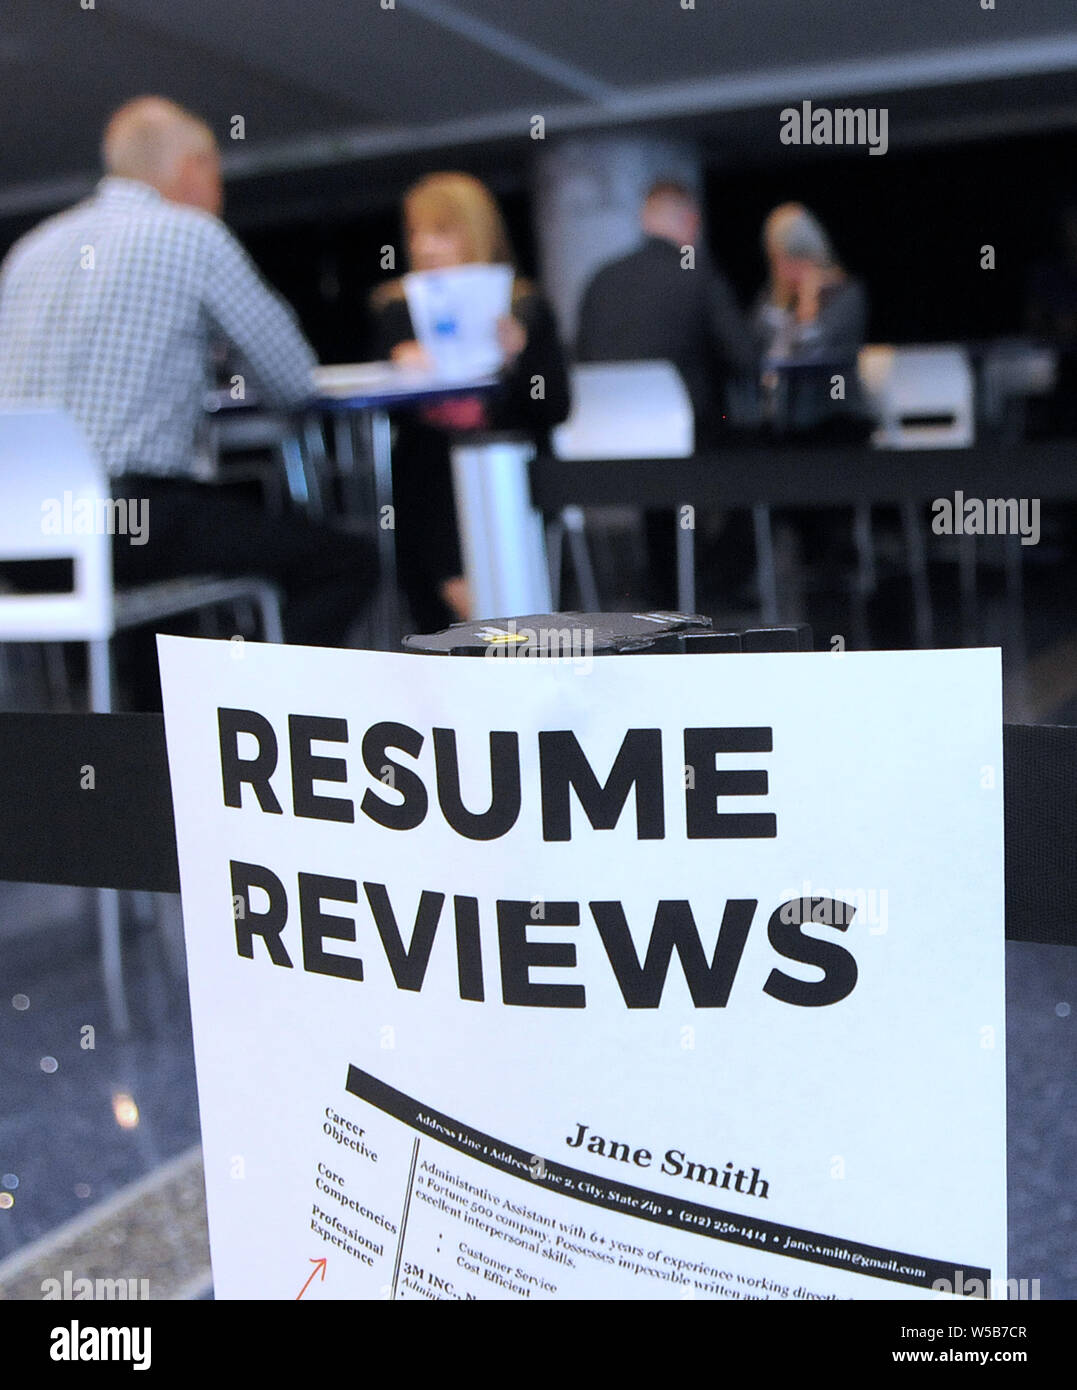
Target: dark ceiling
(344, 98)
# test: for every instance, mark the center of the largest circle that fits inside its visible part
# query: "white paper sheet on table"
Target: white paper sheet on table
(346, 380)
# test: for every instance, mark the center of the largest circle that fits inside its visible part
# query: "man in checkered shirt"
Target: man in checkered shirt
(113, 310)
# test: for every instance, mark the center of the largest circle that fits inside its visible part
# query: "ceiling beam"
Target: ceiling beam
(711, 96)
(516, 50)
(672, 100)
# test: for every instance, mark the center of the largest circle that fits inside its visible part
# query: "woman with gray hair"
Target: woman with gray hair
(809, 324)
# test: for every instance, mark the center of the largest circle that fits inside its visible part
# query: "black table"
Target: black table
(759, 476)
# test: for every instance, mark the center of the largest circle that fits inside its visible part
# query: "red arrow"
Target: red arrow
(313, 1272)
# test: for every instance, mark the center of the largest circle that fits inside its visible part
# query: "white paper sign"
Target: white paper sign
(634, 978)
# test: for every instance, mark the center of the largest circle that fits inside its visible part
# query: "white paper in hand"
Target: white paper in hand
(455, 313)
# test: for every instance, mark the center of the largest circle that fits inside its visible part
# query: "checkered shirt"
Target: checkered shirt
(112, 310)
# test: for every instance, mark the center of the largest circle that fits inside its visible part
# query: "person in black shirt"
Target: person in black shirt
(450, 220)
(660, 302)
(667, 301)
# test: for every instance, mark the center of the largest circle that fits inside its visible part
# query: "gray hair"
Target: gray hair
(797, 233)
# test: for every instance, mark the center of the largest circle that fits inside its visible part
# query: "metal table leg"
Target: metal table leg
(1016, 702)
(346, 453)
(686, 563)
(865, 572)
(764, 560)
(388, 601)
(576, 536)
(966, 564)
(108, 926)
(291, 449)
(921, 589)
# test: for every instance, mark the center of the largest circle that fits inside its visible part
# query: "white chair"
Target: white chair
(626, 410)
(55, 505)
(622, 410)
(923, 396)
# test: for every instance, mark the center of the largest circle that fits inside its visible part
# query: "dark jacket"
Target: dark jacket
(837, 331)
(427, 538)
(646, 305)
(803, 398)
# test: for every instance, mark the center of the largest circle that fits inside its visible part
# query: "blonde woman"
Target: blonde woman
(452, 220)
(809, 312)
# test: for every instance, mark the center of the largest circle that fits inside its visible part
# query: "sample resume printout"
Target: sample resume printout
(632, 978)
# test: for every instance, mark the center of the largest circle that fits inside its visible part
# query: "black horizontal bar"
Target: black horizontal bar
(86, 799)
(1039, 792)
(747, 474)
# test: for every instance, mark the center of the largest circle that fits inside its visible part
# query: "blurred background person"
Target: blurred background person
(656, 304)
(127, 346)
(809, 323)
(452, 219)
(650, 305)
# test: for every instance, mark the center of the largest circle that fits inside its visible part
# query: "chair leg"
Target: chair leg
(269, 609)
(292, 458)
(312, 449)
(108, 926)
(170, 933)
(581, 559)
(100, 666)
(56, 676)
(42, 691)
(246, 615)
(143, 907)
(209, 622)
(108, 899)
